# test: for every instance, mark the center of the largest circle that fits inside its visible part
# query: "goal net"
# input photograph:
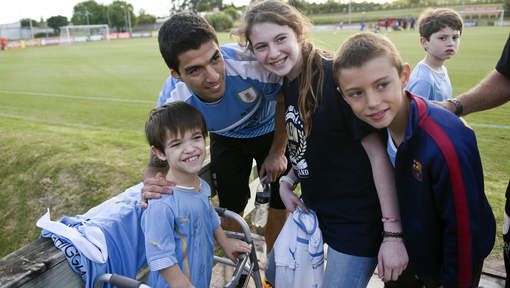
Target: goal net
(83, 33)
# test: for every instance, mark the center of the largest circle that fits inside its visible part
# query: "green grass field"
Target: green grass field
(71, 122)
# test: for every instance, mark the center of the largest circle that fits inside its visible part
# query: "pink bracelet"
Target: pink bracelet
(389, 220)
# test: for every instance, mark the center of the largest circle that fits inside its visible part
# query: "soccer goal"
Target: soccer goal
(83, 33)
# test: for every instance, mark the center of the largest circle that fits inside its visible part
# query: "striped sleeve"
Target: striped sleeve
(450, 189)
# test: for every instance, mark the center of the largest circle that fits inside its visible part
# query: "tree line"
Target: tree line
(332, 6)
(119, 15)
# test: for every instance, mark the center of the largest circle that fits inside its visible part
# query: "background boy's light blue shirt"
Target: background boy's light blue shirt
(430, 84)
(249, 103)
(179, 229)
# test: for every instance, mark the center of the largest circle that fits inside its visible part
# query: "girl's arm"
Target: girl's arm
(175, 278)
(231, 246)
(289, 199)
(392, 258)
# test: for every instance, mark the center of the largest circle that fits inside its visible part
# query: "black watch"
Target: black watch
(458, 106)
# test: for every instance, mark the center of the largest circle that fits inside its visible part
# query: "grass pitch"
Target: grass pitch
(72, 117)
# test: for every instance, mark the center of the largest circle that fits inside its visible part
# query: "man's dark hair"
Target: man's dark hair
(183, 32)
(175, 118)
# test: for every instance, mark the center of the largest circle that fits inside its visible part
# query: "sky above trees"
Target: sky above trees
(13, 11)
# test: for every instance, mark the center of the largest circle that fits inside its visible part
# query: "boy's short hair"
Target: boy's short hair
(175, 118)
(183, 32)
(433, 20)
(363, 47)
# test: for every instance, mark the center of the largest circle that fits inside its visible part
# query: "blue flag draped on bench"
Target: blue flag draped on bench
(116, 247)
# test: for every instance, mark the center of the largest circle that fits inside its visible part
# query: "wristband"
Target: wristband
(289, 181)
(389, 220)
(458, 106)
(388, 234)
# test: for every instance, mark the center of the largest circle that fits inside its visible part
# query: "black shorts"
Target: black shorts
(231, 165)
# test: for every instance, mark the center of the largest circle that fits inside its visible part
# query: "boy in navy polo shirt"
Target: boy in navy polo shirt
(179, 228)
(448, 225)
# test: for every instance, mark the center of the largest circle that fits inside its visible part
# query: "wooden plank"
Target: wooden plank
(494, 268)
(38, 264)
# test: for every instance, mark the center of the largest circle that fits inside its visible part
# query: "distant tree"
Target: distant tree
(232, 12)
(219, 20)
(26, 22)
(146, 19)
(506, 6)
(120, 14)
(298, 4)
(205, 5)
(89, 12)
(179, 5)
(195, 5)
(56, 22)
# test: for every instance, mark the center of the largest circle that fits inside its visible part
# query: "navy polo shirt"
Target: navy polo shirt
(334, 170)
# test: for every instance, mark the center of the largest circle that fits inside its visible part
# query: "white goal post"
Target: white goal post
(83, 33)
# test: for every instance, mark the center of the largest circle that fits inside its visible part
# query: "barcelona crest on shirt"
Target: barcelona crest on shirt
(417, 170)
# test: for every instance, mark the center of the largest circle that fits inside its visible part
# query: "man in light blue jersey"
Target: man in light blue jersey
(238, 99)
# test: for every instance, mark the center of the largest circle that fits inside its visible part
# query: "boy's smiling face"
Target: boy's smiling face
(184, 153)
(442, 44)
(375, 90)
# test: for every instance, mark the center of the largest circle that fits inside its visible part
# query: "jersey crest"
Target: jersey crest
(248, 95)
(297, 142)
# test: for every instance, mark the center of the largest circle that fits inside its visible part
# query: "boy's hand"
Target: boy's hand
(234, 246)
(392, 259)
(153, 187)
(274, 165)
(289, 199)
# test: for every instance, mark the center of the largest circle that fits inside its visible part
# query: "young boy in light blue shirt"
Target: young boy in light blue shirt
(440, 31)
(179, 228)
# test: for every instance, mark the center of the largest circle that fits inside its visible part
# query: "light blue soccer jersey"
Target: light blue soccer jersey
(248, 106)
(430, 84)
(179, 229)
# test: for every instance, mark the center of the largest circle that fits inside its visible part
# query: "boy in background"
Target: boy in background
(179, 228)
(440, 31)
(448, 225)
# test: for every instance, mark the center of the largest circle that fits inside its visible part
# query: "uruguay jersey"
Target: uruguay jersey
(179, 229)
(248, 106)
